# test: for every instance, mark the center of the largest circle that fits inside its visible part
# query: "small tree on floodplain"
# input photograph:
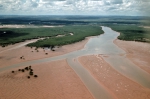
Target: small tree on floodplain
(28, 77)
(30, 73)
(22, 70)
(35, 76)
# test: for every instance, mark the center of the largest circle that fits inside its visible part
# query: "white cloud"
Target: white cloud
(101, 7)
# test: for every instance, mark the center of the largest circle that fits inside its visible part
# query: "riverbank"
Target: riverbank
(107, 76)
(28, 26)
(117, 84)
(14, 54)
(56, 80)
(137, 52)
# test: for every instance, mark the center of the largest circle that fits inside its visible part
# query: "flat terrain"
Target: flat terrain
(13, 53)
(137, 52)
(61, 35)
(51, 38)
(117, 84)
(132, 33)
(56, 80)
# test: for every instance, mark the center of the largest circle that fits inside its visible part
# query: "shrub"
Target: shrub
(22, 70)
(28, 77)
(30, 73)
(53, 50)
(30, 67)
(31, 70)
(35, 76)
(26, 68)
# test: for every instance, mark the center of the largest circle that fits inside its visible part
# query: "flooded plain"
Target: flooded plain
(104, 46)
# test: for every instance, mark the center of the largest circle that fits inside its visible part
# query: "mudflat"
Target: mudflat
(17, 53)
(116, 83)
(56, 80)
(137, 52)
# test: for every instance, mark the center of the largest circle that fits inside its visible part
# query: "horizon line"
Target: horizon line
(75, 15)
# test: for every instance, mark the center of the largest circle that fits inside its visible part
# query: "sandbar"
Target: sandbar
(137, 52)
(13, 56)
(56, 80)
(116, 84)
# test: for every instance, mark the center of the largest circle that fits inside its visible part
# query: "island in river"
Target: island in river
(59, 71)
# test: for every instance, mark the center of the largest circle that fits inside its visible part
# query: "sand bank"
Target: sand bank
(145, 26)
(12, 26)
(117, 84)
(13, 56)
(56, 80)
(28, 26)
(137, 52)
(48, 26)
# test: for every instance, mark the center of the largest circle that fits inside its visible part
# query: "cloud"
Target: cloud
(116, 1)
(101, 7)
(1, 7)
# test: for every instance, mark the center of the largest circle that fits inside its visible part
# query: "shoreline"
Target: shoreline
(97, 64)
(137, 52)
(29, 54)
(116, 83)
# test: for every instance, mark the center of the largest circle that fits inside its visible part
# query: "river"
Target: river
(103, 45)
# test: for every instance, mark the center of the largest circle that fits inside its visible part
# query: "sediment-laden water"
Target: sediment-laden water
(103, 45)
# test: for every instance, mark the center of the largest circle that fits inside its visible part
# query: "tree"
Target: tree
(35, 76)
(22, 70)
(46, 53)
(26, 68)
(30, 67)
(30, 73)
(28, 77)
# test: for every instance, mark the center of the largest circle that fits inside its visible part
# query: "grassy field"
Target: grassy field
(15, 35)
(132, 33)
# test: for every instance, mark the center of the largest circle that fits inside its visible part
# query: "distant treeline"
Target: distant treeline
(40, 22)
(132, 32)
(73, 20)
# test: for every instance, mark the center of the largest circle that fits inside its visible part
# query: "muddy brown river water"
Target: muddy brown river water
(103, 45)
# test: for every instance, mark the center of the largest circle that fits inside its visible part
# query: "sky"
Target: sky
(75, 7)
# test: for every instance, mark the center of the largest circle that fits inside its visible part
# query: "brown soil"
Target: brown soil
(13, 56)
(56, 80)
(119, 85)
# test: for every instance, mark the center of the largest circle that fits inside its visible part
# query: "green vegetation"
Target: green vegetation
(30, 73)
(28, 77)
(79, 33)
(132, 32)
(29, 69)
(15, 35)
(35, 76)
(22, 70)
